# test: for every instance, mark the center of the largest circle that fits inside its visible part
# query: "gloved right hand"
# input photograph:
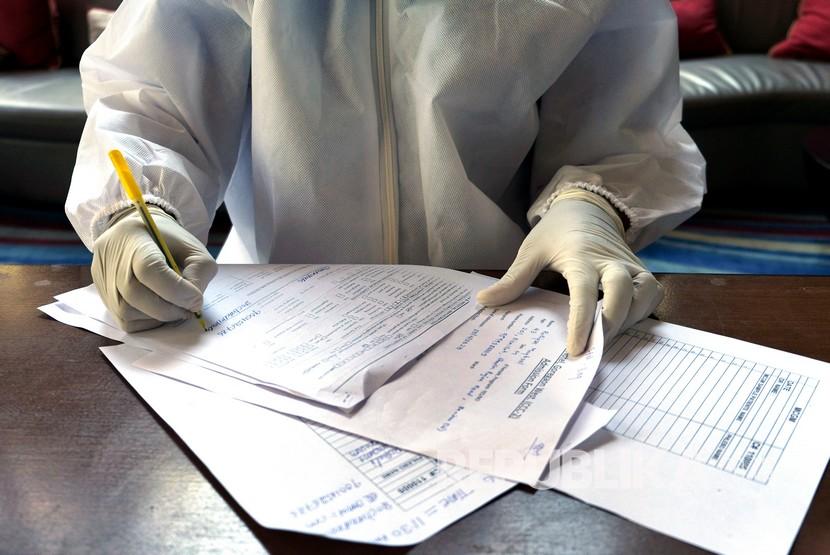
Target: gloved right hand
(583, 238)
(138, 287)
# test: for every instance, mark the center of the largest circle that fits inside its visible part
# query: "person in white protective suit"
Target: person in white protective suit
(450, 133)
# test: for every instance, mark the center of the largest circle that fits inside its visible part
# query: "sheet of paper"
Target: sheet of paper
(331, 333)
(495, 396)
(67, 315)
(290, 475)
(293, 475)
(716, 441)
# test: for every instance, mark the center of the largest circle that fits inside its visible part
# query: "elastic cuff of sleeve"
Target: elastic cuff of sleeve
(101, 221)
(576, 193)
(597, 189)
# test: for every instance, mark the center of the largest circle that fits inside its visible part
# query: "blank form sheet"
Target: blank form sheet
(715, 441)
(733, 414)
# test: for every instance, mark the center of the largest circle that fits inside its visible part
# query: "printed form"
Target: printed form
(331, 333)
(495, 396)
(290, 474)
(715, 441)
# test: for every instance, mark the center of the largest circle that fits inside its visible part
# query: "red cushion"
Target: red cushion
(697, 26)
(26, 31)
(809, 35)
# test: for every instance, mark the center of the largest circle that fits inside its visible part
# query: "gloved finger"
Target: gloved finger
(126, 317)
(150, 268)
(99, 279)
(583, 284)
(618, 291)
(108, 291)
(200, 270)
(514, 282)
(136, 295)
(132, 326)
(648, 293)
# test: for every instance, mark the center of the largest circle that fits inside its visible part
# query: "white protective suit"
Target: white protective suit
(368, 131)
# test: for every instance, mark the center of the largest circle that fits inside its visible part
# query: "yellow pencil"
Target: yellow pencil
(134, 194)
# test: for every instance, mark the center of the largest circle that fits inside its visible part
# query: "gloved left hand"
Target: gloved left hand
(582, 237)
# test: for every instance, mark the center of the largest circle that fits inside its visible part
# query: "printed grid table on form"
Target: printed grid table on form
(732, 414)
(410, 480)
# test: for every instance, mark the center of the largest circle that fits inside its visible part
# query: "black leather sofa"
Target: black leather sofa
(747, 112)
(42, 116)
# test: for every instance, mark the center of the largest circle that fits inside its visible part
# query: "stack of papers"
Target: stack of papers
(396, 362)
(394, 406)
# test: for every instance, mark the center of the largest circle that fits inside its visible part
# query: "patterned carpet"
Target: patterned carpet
(711, 242)
(723, 242)
(31, 235)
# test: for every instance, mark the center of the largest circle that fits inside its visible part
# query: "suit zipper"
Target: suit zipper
(388, 156)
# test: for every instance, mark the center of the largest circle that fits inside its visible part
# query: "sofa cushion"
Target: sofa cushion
(752, 88)
(26, 30)
(809, 36)
(697, 26)
(42, 105)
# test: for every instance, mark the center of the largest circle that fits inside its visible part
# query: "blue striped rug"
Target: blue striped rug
(31, 235)
(723, 242)
(710, 242)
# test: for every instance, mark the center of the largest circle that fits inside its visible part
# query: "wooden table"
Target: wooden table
(85, 466)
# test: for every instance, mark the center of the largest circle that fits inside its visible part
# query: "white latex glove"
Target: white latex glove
(133, 278)
(582, 238)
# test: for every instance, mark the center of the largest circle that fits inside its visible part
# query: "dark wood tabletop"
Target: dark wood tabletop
(87, 467)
